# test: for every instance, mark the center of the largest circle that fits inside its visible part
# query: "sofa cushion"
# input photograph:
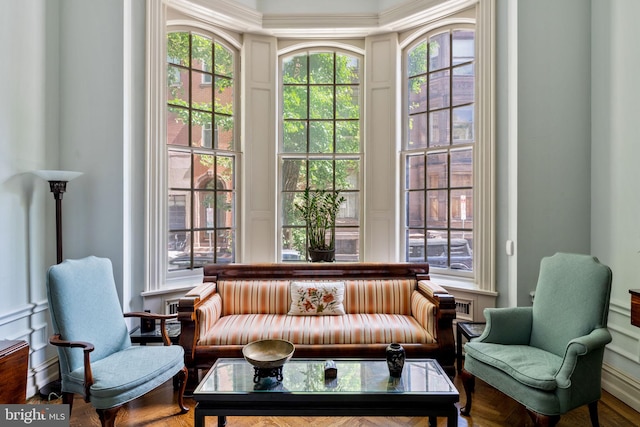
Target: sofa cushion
(317, 298)
(348, 329)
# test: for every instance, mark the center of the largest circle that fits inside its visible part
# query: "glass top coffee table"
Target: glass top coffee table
(361, 388)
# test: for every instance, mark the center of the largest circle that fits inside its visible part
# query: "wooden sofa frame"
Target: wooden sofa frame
(199, 357)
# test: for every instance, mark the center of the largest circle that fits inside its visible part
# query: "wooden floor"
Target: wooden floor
(490, 408)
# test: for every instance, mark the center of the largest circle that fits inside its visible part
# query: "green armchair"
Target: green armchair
(96, 357)
(547, 357)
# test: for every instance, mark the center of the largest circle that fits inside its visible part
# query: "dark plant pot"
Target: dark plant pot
(320, 255)
(395, 359)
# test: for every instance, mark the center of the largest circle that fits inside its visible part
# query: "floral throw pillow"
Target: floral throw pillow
(317, 298)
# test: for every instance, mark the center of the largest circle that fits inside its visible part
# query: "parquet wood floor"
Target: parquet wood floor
(491, 408)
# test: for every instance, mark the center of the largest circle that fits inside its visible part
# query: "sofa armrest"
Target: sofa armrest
(187, 315)
(445, 313)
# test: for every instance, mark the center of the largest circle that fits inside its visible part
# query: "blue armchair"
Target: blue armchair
(548, 357)
(97, 359)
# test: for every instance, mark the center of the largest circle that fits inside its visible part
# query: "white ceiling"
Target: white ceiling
(323, 6)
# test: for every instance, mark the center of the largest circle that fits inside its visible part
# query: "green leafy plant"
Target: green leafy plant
(319, 209)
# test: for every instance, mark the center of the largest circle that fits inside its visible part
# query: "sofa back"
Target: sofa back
(389, 296)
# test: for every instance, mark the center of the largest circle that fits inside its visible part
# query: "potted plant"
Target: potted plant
(319, 209)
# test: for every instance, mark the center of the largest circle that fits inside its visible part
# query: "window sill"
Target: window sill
(462, 284)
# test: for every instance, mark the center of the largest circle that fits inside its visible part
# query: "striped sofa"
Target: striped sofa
(383, 303)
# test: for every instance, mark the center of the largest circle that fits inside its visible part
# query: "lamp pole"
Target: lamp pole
(58, 185)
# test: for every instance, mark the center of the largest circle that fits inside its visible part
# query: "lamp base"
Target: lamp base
(51, 391)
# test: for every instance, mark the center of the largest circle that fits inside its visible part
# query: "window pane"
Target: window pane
(462, 209)
(321, 174)
(461, 251)
(179, 169)
(203, 169)
(177, 129)
(415, 209)
(417, 95)
(321, 102)
(417, 131)
(463, 84)
(463, 124)
(439, 128)
(224, 61)
(462, 168)
(179, 203)
(321, 137)
(293, 244)
(349, 213)
(415, 172)
(225, 170)
(177, 86)
(347, 244)
(294, 136)
(290, 215)
(439, 90)
(463, 49)
(347, 69)
(178, 48)
(348, 174)
(321, 68)
(294, 175)
(224, 95)
(294, 69)
(224, 210)
(415, 245)
(201, 93)
(295, 102)
(437, 209)
(205, 205)
(201, 48)
(439, 51)
(417, 61)
(437, 169)
(348, 136)
(223, 137)
(347, 102)
(225, 246)
(201, 133)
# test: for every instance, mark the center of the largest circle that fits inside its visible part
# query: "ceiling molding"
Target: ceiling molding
(238, 17)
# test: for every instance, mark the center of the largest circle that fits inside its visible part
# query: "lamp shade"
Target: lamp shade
(56, 175)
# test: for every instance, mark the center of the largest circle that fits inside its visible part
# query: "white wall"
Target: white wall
(28, 141)
(615, 199)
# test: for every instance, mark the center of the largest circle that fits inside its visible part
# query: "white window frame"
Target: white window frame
(338, 49)
(483, 275)
(158, 279)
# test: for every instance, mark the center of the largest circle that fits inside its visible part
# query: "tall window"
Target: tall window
(320, 144)
(201, 151)
(439, 149)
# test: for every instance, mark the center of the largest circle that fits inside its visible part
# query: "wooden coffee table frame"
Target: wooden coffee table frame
(223, 404)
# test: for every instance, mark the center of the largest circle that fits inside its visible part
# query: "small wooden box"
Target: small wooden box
(635, 306)
(14, 362)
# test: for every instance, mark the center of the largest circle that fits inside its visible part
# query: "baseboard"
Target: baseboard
(41, 375)
(622, 386)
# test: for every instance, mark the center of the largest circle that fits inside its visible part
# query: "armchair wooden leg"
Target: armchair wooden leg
(540, 420)
(469, 383)
(108, 416)
(183, 375)
(593, 414)
(67, 398)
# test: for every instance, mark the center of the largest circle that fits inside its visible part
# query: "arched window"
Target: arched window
(201, 150)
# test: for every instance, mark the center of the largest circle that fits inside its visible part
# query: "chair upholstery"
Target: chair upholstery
(549, 356)
(97, 359)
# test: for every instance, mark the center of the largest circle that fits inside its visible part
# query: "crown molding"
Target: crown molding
(238, 17)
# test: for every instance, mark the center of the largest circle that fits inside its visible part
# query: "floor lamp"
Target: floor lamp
(58, 185)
